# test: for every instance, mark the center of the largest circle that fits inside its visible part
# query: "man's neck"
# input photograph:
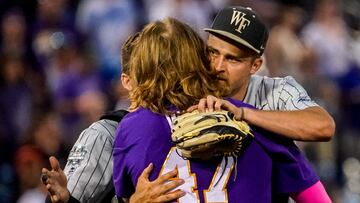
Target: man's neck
(240, 94)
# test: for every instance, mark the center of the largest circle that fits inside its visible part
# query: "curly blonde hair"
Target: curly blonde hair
(126, 51)
(169, 66)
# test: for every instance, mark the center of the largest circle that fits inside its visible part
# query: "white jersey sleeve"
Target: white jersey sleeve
(90, 162)
(286, 94)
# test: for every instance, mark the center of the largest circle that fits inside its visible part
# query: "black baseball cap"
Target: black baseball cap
(241, 25)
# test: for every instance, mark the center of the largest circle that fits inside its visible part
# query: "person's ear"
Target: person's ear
(256, 65)
(126, 81)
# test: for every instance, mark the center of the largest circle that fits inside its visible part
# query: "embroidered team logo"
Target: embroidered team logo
(77, 154)
(239, 20)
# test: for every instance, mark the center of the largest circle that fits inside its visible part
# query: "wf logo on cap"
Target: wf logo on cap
(241, 25)
(240, 21)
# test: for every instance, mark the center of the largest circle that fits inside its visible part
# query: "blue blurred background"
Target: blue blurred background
(60, 65)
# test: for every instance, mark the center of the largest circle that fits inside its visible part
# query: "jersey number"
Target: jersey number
(216, 192)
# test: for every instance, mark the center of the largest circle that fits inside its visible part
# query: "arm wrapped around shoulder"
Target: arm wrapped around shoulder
(210, 134)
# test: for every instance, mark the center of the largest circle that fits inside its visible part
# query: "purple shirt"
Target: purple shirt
(264, 169)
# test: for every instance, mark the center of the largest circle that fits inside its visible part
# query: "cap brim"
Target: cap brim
(232, 37)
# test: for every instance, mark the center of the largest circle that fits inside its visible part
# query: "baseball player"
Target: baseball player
(236, 41)
(87, 176)
(171, 79)
(270, 84)
(282, 100)
(88, 172)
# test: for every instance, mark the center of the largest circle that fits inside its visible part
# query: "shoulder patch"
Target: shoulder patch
(76, 156)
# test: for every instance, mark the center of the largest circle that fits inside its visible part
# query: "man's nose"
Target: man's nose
(218, 63)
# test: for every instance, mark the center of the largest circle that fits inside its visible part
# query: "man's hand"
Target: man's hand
(211, 103)
(310, 124)
(55, 182)
(159, 190)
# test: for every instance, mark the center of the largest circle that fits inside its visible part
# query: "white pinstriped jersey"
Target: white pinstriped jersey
(286, 94)
(90, 163)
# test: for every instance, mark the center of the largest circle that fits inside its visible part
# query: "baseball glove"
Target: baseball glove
(210, 134)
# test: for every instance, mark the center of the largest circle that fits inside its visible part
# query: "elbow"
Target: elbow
(326, 130)
(319, 132)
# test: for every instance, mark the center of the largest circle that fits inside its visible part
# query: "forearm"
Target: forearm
(311, 124)
(313, 194)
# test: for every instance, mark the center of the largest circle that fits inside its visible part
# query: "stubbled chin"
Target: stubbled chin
(225, 87)
(223, 82)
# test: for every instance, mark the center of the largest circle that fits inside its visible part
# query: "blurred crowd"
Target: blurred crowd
(60, 65)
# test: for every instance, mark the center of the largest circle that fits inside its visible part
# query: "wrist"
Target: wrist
(132, 199)
(244, 113)
(68, 198)
(249, 115)
(239, 114)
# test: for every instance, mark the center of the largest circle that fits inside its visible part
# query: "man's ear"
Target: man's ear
(126, 81)
(256, 65)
